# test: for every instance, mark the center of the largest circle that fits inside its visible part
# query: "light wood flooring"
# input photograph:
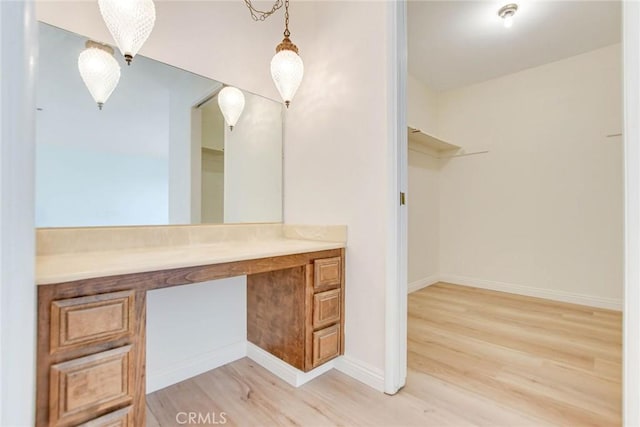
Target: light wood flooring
(476, 358)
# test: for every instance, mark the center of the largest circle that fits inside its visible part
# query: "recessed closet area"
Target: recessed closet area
(515, 242)
(528, 196)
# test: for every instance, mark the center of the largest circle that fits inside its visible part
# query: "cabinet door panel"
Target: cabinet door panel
(120, 418)
(326, 344)
(327, 273)
(326, 308)
(82, 388)
(88, 320)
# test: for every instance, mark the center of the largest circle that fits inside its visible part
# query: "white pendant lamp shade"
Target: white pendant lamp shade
(231, 103)
(130, 22)
(99, 70)
(287, 70)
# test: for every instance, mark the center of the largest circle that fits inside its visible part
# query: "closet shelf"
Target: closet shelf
(417, 136)
(210, 149)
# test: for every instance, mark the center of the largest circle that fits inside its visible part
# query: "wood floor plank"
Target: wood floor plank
(539, 367)
(151, 419)
(476, 358)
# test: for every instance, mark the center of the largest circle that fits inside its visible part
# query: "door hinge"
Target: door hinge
(403, 199)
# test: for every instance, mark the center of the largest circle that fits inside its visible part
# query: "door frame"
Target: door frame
(631, 310)
(396, 280)
(396, 272)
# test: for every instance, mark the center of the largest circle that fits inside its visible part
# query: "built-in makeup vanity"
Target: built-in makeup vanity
(161, 150)
(92, 286)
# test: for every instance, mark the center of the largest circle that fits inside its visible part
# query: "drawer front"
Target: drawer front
(326, 308)
(327, 273)
(326, 344)
(81, 321)
(120, 418)
(83, 387)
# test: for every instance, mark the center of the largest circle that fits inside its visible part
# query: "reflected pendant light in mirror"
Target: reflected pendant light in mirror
(287, 68)
(231, 103)
(130, 22)
(99, 70)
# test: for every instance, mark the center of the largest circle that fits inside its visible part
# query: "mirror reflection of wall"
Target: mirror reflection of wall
(212, 163)
(155, 153)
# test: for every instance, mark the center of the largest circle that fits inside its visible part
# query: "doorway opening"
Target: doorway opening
(516, 200)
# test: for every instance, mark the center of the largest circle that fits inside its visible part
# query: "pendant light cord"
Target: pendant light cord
(287, 33)
(261, 15)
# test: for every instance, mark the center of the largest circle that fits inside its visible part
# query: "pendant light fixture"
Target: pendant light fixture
(99, 70)
(506, 13)
(287, 68)
(130, 22)
(231, 103)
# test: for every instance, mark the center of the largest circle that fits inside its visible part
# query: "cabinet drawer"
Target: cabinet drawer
(326, 308)
(90, 385)
(120, 418)
(88, 320)
(326, 344)
(327, 273)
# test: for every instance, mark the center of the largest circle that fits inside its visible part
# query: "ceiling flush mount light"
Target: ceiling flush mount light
(99, 70)
(287, 68)
(130, 22)
(506, 13)
(231, 103)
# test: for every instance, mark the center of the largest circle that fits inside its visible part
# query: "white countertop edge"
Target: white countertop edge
(71, 267)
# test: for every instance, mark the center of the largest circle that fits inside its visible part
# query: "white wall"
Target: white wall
(631, 311)
(423, 201)
(542, 212)
(198, 334)
(18, 50)
(423, 198)
(422, 106)
(253, 163)
(335, 156)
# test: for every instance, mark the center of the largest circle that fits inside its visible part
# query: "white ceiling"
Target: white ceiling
(457, 43)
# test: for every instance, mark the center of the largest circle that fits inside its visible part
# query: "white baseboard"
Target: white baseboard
(581, 299)
(195, 366)
(191, 367)
(282, 369)
(361, 371)
(423, 283)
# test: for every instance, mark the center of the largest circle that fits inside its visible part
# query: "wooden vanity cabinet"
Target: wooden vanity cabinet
(91, 333)
(297, 314)
(91, 354)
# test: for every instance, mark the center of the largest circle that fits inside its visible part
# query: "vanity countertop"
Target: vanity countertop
(77, 266)
(58, 267)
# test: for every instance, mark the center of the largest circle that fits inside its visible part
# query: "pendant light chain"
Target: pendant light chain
(260, 15)
(287, 33)
(287, 68)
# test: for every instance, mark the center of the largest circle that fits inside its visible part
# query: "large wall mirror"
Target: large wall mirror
(158, 152)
